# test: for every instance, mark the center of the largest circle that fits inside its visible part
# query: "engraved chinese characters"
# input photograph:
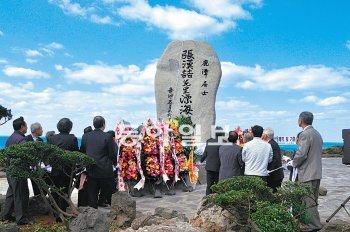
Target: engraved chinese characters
(187, 79)
(187, 59)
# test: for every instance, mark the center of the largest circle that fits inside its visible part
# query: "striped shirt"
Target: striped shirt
(256, 155)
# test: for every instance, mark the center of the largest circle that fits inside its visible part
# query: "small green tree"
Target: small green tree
(255, 201)
(26, 160)
(5, 115)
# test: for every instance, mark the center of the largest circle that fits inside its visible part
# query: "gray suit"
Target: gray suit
(308, 160)
(230, 156)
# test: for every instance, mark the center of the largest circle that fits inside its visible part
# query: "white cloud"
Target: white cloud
(28, 85)
(75, 9)
(20, 104)
(200, 19)
(70, 100)
(54, 45)
(109, 1)
(233, 104)
(24, 93)
(32, 53)
(328, 101)
(271, 113)
(332, 101)
(98, 73)
(71, 8)
(225, 8)
(31, 61)
(49, 105)
(101, 20)
(303, 77)
(3, 61)
(101, 73)
(49, 49)
(129, 89)
(43, 50)
(348, 44)
(312, 99)
(242, 111)
(24, 72)
(178, 23)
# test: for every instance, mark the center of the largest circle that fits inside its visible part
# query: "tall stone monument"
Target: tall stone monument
(186, 83)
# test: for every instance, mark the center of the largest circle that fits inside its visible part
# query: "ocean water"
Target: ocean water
(294, 147)
(287, 147)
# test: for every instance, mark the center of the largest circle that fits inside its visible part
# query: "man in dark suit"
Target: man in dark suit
(308, 161)
(100, 146)
(69, 142)
(36, 132)
(275, 177)
(211, 154)
(17, 196)
(230, 158)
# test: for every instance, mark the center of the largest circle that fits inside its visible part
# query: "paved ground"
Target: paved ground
(335, 179)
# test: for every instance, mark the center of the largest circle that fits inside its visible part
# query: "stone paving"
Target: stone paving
(335, 179)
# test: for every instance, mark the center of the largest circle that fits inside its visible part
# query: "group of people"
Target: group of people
(95, 143)
(261, 156)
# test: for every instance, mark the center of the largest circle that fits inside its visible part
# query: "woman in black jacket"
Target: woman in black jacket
(68, 142)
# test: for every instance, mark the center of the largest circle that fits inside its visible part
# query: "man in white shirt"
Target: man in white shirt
(257, 154)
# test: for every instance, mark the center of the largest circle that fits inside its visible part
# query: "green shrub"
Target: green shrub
(274, 218)
(247, 184)
(251, 196)
(24, 161)
(240, 199)
(291, 194)
(333, 150)
(54, 228)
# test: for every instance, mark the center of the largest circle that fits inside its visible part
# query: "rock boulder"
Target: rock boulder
(11, 227)
(123, 209)
(213, 218)
(322, 191)
(90, 220)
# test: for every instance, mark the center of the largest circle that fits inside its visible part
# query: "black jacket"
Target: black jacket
(100, 146)
(16, 138)
(29, 138)
(65, 141)
(211, 154)
(276, 162)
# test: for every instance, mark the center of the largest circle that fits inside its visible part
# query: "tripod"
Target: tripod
(342, 205)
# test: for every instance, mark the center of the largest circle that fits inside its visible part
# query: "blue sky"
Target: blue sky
(77, 59)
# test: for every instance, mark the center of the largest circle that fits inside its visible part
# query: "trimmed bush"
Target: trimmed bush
(274, 218)
(25, 161)
(270, 212)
